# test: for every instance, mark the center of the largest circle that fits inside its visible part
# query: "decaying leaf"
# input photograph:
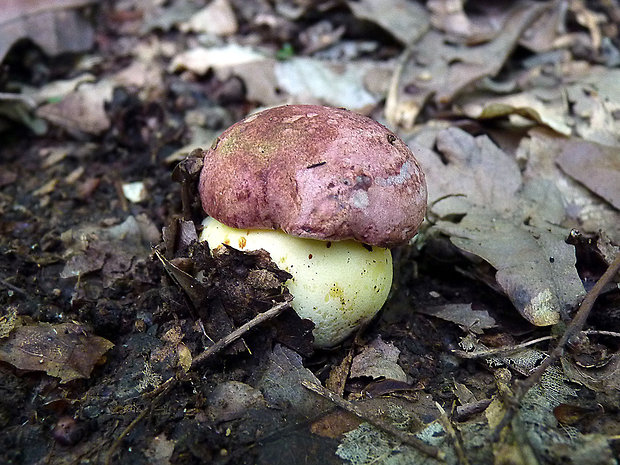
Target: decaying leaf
(113, 250)
(406, 21)
(425, 76)
(595, 166)
(535, 266)
(595, 103)
(55, 25)
(281, 385)
(584, 211)
(367, 445)
(378, 359)
(539, 432)
(598, 379)
(527, 105)
(461, 314)
(505, 222)
(66, 351)
(340, 85)
(82, 109)
(523, 361)
(216, 18)
(298, 79)
(231, 399)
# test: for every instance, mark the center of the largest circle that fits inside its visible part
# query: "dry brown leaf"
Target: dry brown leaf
(527, 105)
(584, 211)
(54, 25)
(378, 359)
(462, 314)
(441, 70)
(595, 166)
(216, 18)
(82, 110)
(595, 99)
(509, 224)
(66, 351)
(405, 20)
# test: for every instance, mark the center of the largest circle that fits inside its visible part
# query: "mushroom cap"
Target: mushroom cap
(317, 172)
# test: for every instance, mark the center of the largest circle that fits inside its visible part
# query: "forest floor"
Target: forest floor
(107, 303)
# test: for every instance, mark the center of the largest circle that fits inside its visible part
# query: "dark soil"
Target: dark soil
(139, 404)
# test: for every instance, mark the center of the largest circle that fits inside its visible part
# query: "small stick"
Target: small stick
(377, 421)
(13, 287)
(239, 332)
(158, 393)
(500, 350)
(572, 328)
(596, 332)
(513, 348)
(456, 441)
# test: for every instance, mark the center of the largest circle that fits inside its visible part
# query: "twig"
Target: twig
(391, 102)
(572, 328)
(596, 332)
(29, 101)
(239, 332)
(13, 287)
(456, 440)
(514, 348)
(375, 420)
(117, 442)
(500, 350)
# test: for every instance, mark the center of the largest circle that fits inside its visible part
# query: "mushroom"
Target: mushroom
(326, 192)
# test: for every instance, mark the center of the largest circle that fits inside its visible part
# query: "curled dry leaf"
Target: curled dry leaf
(66, 351)
(527, 105)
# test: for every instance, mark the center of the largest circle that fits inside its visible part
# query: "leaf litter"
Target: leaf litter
(513, 111)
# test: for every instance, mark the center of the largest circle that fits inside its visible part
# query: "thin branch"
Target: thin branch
(596, 332)
(13, 287)
(516, 347)
(158, 393)
(456, 440)
(239, 332)
(500, 350)
(572, 328)
(377, 421)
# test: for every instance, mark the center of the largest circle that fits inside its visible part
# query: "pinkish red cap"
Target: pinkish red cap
(315, 172)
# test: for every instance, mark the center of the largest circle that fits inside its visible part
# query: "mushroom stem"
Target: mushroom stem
(337, 285)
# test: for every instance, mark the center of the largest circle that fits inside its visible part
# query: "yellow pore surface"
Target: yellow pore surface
(338, 285)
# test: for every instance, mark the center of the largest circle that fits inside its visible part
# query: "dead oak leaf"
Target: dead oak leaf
(378, 359)
(595, 166)
(56, 26)
(441, 70)
(405, 20)
(511, 225)
(535, 267)
(66, 351)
